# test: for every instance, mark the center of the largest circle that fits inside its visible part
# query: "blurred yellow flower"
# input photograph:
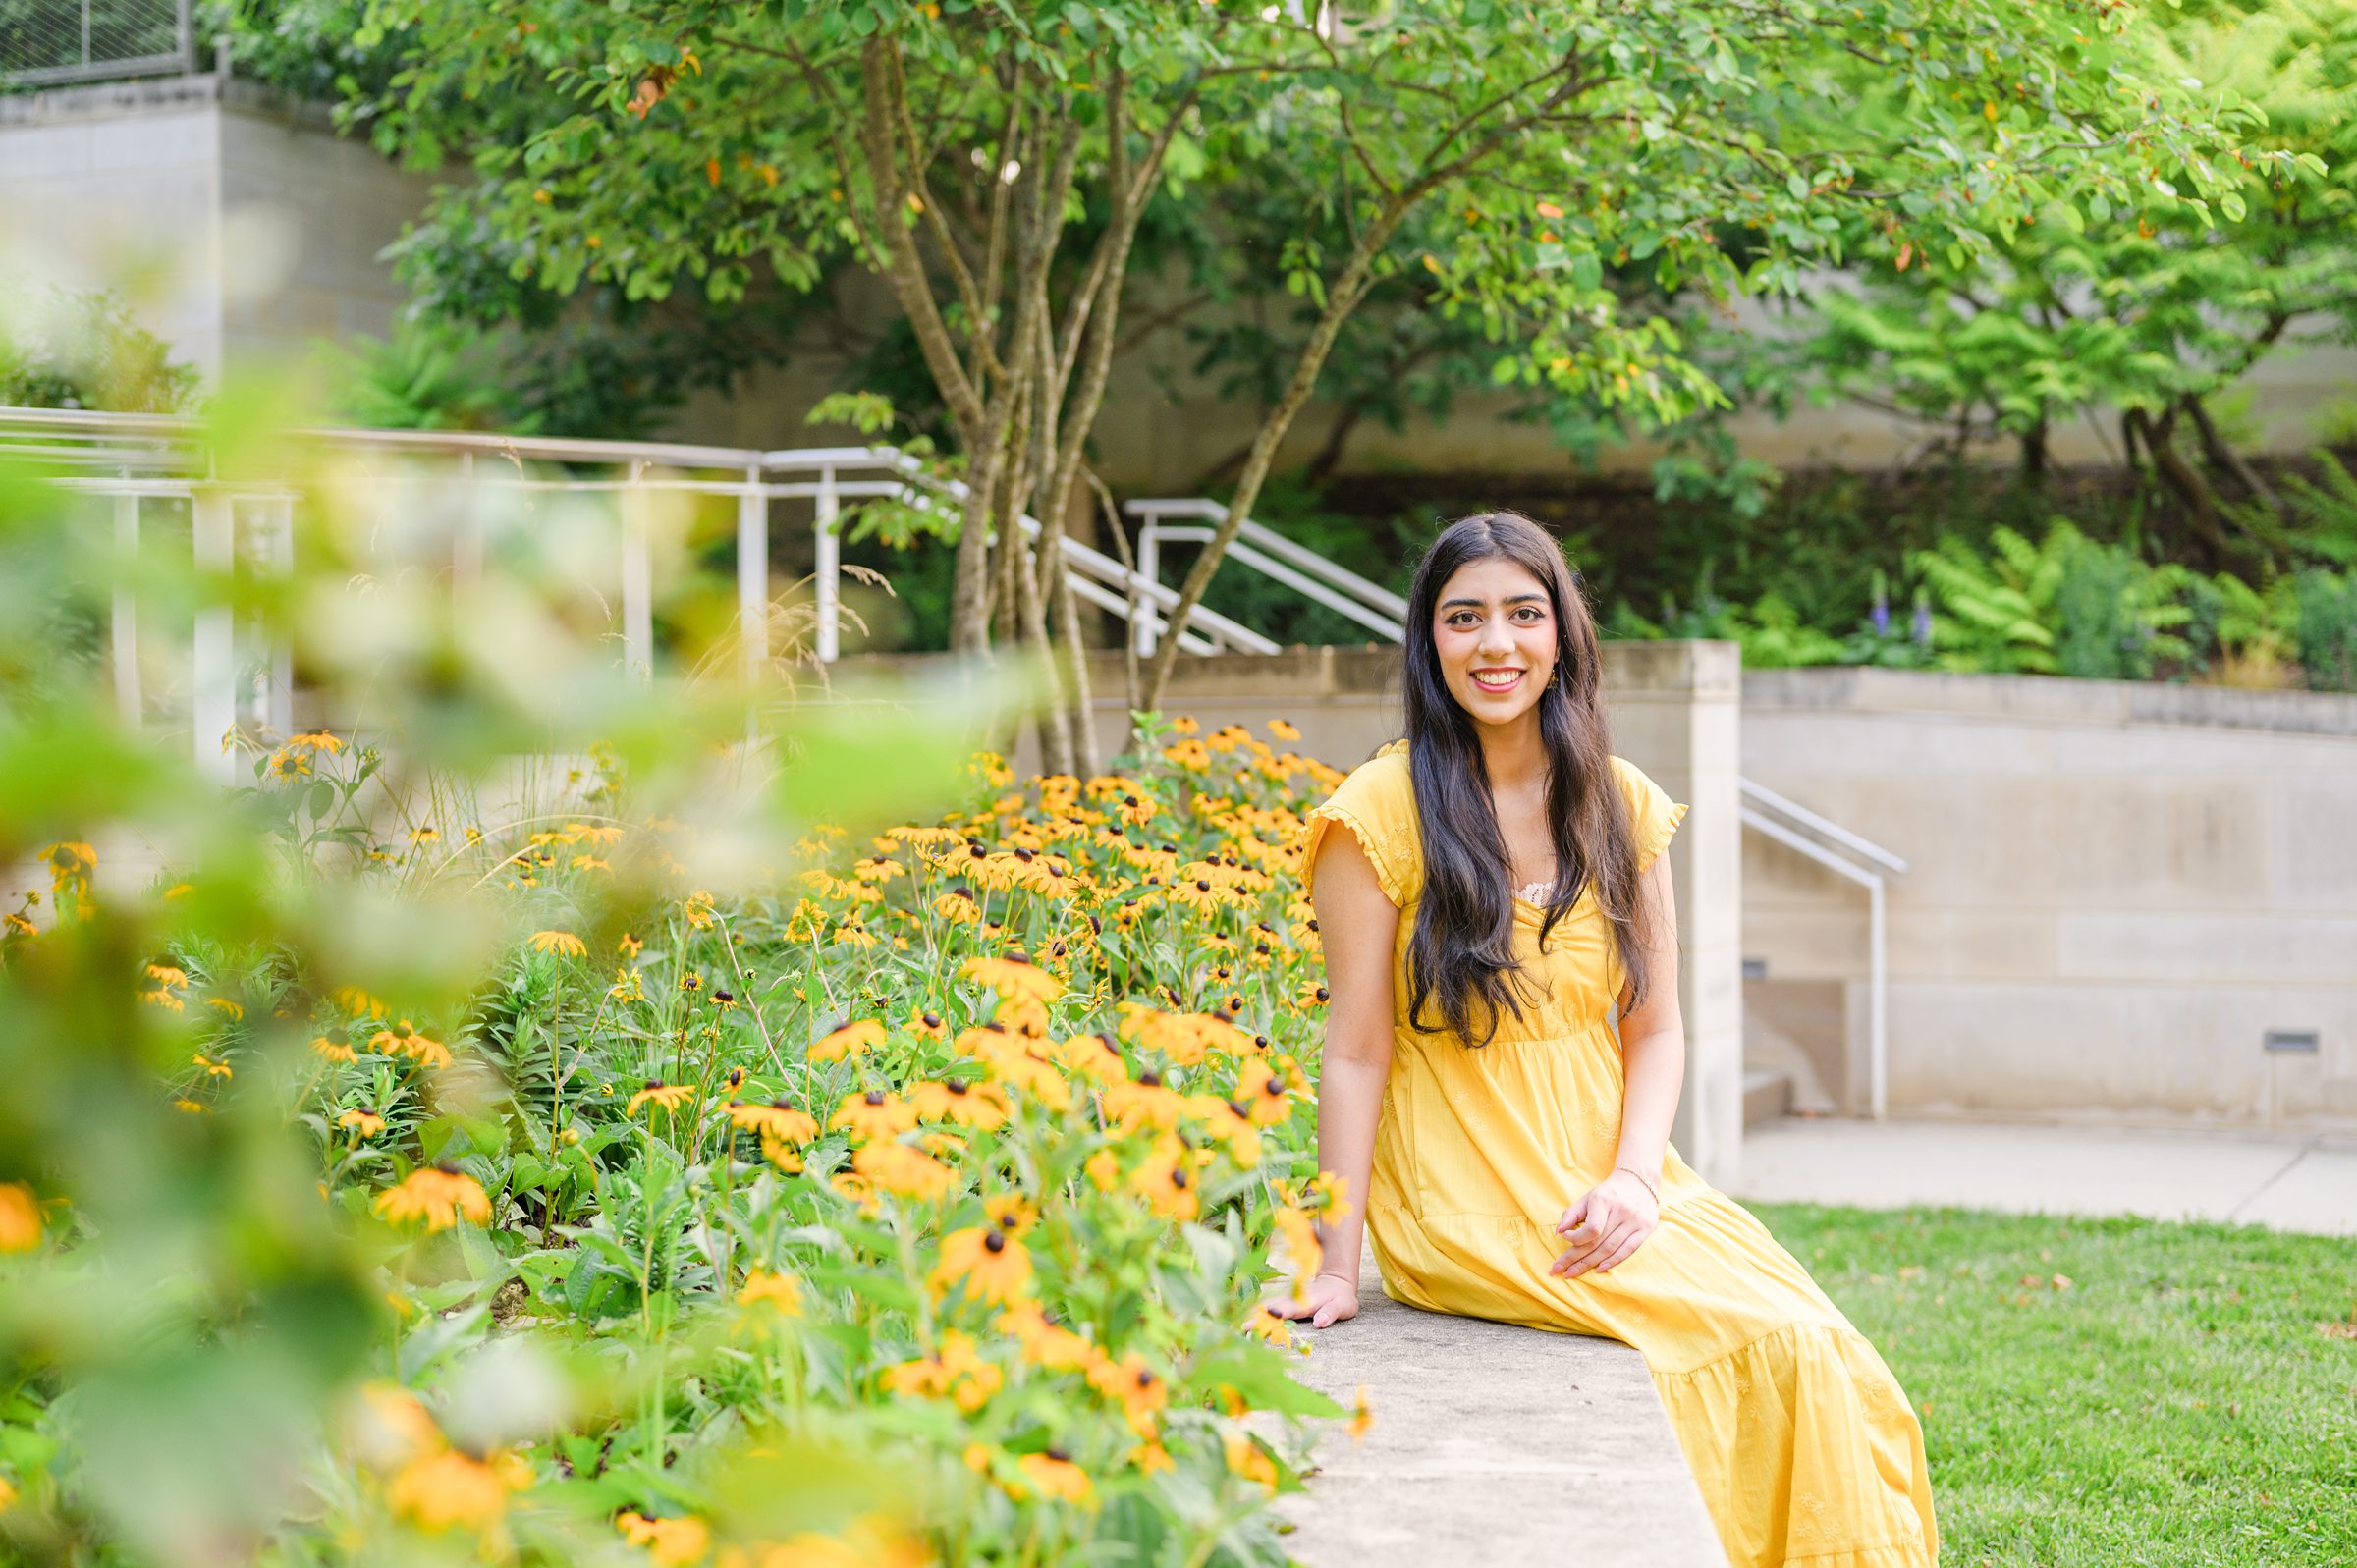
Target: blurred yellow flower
(20, 1218)
(450, 1489)
(899, 1170)
(333, 1050)
(361, 1121)
(1051, 1475)
(992, 1265)
(439, 1194)
(874, 1114)
(669, 1542)
(776, 1121)
(780, 1290)
(848, 1040)
(560, 942)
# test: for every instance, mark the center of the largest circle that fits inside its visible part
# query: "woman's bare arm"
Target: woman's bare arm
(1614, 1218)
(1359, 927)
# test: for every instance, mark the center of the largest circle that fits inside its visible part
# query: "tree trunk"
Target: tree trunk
(2185, 481)
(2223, 456)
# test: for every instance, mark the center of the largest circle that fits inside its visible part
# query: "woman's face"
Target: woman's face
(1494, 628)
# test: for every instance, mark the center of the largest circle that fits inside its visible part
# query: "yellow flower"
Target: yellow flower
(876, 1113)
(1267, 1091)
(1045, 1342)
(1051, 1475)
(955, 1099)
(358, 1002)
(405, 1040)
(1013, 976)
(333, 1050)
(1263, 1323)
(994, 1266)
(235, 1011)
(8, 1495)
(955, 1371)
(211, 1067)
(958, 906)
(438, 1194)
(560, 942)
(20, 1218)
(362, 1121)
(1136, 1388)
(776, 1122)
(846, 1040)
(1170, 1180)
(1362, 1415)
(1185, 725)
(1149, 1457)
(780, 1290)
(1283, 731)
(1300, 1238)
(449, 1489)
(669, 1542)
(315, 740)
(667, 1095)
(166, 975)
(908, 1172)
(68, 862)
(1249, 1459)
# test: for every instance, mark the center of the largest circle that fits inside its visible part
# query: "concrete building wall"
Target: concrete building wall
(2114, 891)
(240, 227)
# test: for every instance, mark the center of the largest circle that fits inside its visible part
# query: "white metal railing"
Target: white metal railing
(134, 460)
(1862, 861)
(1268, 552)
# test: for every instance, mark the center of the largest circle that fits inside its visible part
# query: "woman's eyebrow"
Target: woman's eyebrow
(1512, 599)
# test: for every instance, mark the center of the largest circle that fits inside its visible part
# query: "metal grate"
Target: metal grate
(45, 41)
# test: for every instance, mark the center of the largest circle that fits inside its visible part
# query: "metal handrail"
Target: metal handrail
(1840, 850)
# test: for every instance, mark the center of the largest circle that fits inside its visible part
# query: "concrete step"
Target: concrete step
(1767, 1095)
(1491, 1444)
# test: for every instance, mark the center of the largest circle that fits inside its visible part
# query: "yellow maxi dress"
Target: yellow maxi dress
(1803, 1444)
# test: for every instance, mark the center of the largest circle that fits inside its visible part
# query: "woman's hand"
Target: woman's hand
(1606, 1225)
(1330, 1300)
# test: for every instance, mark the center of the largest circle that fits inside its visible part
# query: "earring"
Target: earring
(1551, 674)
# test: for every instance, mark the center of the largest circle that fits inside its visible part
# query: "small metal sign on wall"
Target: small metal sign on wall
(45, 43)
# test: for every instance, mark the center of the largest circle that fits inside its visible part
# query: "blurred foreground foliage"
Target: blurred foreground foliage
(541, 1115)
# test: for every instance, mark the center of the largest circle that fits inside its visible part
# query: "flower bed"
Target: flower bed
(915, 1206)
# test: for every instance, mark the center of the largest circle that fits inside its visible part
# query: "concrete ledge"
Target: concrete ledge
(2055, 698)
(1492, 1444)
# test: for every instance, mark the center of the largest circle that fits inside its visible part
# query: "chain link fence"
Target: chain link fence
(50, 41)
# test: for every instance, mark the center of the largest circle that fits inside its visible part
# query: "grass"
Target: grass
(2111, 1392)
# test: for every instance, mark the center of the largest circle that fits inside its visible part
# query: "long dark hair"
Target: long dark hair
(1462, 952)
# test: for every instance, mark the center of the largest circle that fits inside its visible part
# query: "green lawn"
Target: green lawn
(2114, 1391)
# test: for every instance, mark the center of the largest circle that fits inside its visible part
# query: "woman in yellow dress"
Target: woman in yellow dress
(1498, 898)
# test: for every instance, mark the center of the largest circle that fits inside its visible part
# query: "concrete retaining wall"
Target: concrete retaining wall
(2115, 890)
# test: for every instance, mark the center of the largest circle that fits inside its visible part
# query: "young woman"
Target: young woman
(1499, 899)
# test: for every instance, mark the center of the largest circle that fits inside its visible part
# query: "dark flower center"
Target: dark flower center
(932, 1020)
(874, 1096)
(955, 1086)
(994, 1242)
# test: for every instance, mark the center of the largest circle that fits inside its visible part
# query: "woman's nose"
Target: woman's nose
(1495, 639)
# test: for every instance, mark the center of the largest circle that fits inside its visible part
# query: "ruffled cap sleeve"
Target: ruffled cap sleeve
(1377, 805)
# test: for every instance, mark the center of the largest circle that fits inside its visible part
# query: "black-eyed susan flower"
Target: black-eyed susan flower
(1144, 1103)
(404, 1039)
(20, 1227)
(1151, 1457)
(1094, 1057)
(1045, 1342)
(905, 1173)
(669, 1096)
(1248, 1460)
(329, 1050)
(992, 1265)
(679, 1542)
(1171, 1181)
(1011, 1212)
(768, 1287)
(362, 1121)
(1268, 1089)
(1135, 1386)
(955, 1099)
(1298, 1238)
(440, 1194)
(1015, 976)
(1283, 731)
(629, 946)
(777, 1119)
(564, 943)
(847, 1039)
(958, 907)
(1263, 1323)
(1051, 1473)
(873, 1114)
(450, 1490)
(211, 1067)
(956, 1369)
